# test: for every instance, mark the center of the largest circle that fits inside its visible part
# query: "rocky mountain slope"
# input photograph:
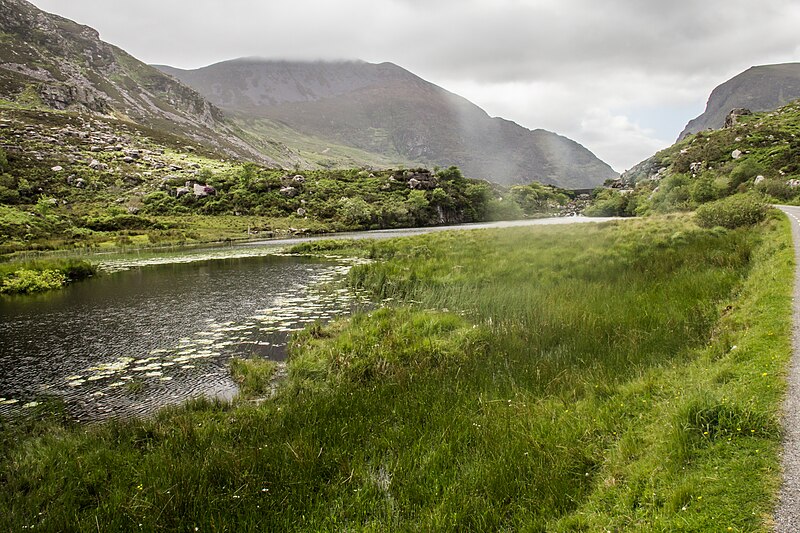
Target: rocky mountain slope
(763, 88)
(757, 152)
(50, 60)
(384, 109)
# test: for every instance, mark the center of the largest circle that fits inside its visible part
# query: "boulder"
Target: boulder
(57, 168)
(759, 179)
(203, 190)
(736, 154)
(289, 192)
(181, 191)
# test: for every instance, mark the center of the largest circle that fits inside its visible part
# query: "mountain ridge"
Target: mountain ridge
(54, 61)
(759, 88)
(386, 109)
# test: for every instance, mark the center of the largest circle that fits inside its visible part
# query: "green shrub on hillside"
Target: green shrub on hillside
(744, 172)
(732, 212)
(611, 203)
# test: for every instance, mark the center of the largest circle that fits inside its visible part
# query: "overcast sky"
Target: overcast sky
(622, 77)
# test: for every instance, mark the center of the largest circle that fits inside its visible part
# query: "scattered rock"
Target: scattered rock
(301, 212)
(793, 183)
(57, 168)
(299, 179)
(181, 191)
(758, 180)
(736, 154)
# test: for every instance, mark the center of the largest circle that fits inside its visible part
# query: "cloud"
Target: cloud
(563, 65)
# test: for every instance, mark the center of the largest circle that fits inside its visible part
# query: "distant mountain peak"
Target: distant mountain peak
(385, 109)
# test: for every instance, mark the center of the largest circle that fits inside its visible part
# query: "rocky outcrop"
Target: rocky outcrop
(66, 66)
(732, 118)
(763, 88)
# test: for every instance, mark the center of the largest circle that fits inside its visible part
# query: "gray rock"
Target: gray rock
(733, 116)
(289, 192)
(736, 154)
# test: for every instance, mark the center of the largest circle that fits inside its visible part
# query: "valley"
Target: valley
(297, 294)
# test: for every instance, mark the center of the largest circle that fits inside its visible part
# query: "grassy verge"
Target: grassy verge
(617, 377)
(44, 275)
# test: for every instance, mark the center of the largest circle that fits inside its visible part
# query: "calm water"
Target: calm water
(160, 327)
(135, 340)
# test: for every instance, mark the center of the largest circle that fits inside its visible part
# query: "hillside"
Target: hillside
(52, 61)
(761, 153)
(762, 88)
(69, 178)
(385, 109)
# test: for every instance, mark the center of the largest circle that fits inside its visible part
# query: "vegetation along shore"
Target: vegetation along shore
(618, 376)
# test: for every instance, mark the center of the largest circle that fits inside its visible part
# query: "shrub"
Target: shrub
(744, 172)
(732, 212)
(25, 281)
(777, 188)
(609, 203)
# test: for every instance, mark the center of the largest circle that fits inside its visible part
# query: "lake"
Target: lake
(160, 328)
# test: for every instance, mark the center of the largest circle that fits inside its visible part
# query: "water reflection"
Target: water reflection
(133, 341)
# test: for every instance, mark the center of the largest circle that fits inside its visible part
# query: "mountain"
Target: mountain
(762, 88)
(49, 60)
(384, 109)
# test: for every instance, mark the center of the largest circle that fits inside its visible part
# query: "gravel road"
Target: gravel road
(787, 516)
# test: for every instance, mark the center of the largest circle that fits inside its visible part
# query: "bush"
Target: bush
(744, 172)
(25, 281)
(732, 212)
(610, 203)
(777, 188)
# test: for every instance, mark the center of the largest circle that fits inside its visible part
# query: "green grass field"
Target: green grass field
(624, 376)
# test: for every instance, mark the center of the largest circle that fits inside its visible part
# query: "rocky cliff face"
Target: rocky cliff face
(763, 88)
(387, 110)
(54, 61)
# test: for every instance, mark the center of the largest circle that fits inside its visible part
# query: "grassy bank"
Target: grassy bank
(623, 376)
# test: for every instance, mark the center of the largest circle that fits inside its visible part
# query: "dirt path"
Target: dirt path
(787, 516)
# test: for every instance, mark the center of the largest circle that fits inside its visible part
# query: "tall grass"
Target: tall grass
(616, 377)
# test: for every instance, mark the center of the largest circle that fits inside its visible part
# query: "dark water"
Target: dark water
(160, 327)
(132, 341)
